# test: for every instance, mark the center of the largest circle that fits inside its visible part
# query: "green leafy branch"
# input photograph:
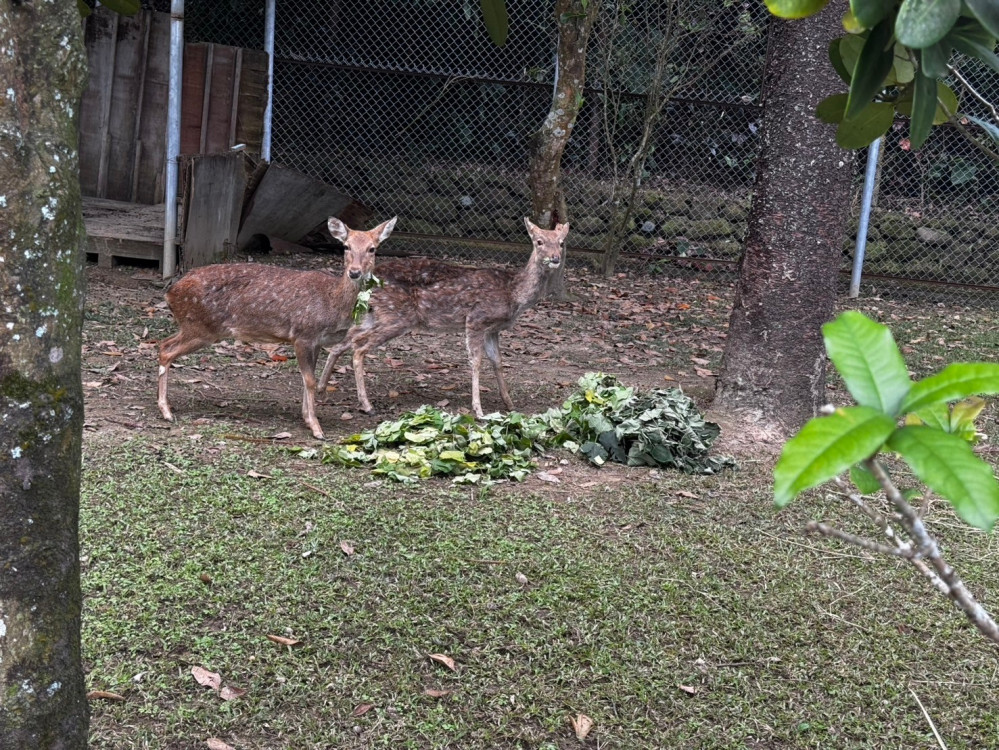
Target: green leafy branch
(934, 440)
(363, 302)
(894, 58)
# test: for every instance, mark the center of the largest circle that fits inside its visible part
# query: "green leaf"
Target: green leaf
(964, 414)
(902, 69)
(831, 109)
(948, 466)
(987, 13)
(836, 58)
(872, 123)
(972, 42)
(872, 66)
(497, 22)
(870, 12)
(865, 354)
(955, 382)
(946, 103)
(924, 109)
(123, 7)
(85, 10)
(934, 415)
(828, 446)
(863, 480)
(923, 23)
(792, 9)
(933, 59)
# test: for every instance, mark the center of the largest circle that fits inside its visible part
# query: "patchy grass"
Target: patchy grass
(674, 610)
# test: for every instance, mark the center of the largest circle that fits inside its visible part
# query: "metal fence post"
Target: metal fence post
(173, 137)
(265, 145)
(870, 180)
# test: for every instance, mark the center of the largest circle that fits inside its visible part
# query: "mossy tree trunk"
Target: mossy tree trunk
(43, 72)
(575, 20)
(774, 367)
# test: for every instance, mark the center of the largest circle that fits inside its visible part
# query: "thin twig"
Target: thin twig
(929, 721)
(928, 548)
(964, 82)
(857, 541)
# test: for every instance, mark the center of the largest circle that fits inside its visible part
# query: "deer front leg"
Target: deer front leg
(335, 354)
(492, 351)
(171, 348)
(307, 352)
(475, 343)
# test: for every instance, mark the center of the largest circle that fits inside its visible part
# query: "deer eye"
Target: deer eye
(371, 249)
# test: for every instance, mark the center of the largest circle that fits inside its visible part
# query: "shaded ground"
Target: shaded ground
(675, 611)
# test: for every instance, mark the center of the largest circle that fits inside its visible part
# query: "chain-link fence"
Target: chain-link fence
(408, 107)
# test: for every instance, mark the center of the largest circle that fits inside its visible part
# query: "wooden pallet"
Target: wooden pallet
(117, 230)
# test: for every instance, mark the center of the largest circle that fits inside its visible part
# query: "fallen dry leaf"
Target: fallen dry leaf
(688, 689)
(205, 579)
(216, 744)
(582, 724)
(284, 641)
(94, 694)
(447, 661)
(702, 373)
(229, 693)
(521, 578)
(279, 357)
(257, 475)
(280, 436)
(684, 493)
(206, 678)
(363, 709)
(346, 415)
(546, 476)
(348, 548)
(436, 693)
(393, 394)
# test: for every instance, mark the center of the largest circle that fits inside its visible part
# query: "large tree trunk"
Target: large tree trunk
(575, 19)
(43, 72)
(774, 368)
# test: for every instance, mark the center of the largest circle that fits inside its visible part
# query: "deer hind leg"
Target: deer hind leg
(307, 352)
(181, 343)
(335, 353)
(492, 351)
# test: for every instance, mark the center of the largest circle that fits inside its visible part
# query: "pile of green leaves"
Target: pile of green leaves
(606, 421)
(363, 302)
(430, 442)
(895, 56)
(602, 419)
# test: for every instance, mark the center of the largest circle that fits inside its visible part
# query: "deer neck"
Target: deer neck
(531, 283)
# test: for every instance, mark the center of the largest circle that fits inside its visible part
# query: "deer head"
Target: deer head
(549, 244)
(359, 246)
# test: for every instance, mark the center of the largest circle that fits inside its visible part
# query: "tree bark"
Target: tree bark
(774, 367)
(43, 72)
(575, 20)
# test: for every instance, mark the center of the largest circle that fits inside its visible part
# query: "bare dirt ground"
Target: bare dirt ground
(650, 331)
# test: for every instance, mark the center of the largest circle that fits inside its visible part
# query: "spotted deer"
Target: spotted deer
(262, 304)
(428, 295)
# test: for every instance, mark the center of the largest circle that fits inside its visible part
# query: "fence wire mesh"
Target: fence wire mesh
(409, 108)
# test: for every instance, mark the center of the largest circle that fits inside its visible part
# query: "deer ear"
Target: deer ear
(382, 231)
(562, 230)
(338, 230)
(531, 228)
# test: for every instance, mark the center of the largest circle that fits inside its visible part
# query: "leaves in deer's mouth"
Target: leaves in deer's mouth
(602, 419)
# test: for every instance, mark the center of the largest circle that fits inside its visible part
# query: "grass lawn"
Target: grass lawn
(674, 611)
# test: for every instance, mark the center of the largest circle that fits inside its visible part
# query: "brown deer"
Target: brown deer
(427, 295)
(262, 304)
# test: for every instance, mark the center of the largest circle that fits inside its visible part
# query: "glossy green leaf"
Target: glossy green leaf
(850, 23)
(955, 382)
(933, 59)
(831, 109)
(836, 58)
(865, 354)
(934, 415)
(872, 66)
(964, 414)
(863, 480)
(902, 68)
(946, 103)
(987, 13)
(972, 44)
(792, 9)
(495, 17)
(828, 446)
(124, 7)
(922, 23)
(870, 12)
(862, 130)
(924, 109)
(947, 465)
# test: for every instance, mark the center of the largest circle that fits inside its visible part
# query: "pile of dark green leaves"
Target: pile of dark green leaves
(602, 419)
(606, 421)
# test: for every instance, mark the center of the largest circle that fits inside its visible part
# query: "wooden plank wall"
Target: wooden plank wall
(123, 113)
